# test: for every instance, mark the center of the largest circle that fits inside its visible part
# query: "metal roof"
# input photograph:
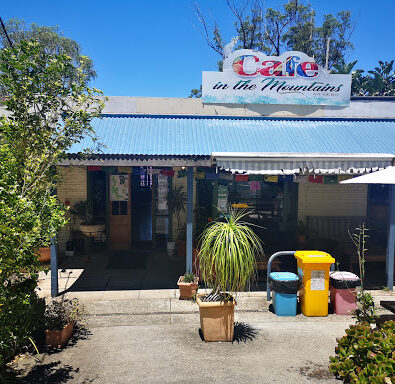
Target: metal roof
(201, 136)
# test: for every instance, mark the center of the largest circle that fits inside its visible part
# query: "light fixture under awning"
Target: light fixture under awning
(269, 163)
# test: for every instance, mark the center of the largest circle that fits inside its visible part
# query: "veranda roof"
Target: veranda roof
(261, 144)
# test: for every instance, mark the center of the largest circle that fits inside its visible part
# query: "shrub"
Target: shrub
(21, 318)
(366, 356)
(189, 277)
(60, 313)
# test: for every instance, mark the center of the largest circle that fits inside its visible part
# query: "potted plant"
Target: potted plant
(83, 210)
(44, 255)
(301, 232)
(176, 200)
(227, 259)
(188, 285)
(60, 318)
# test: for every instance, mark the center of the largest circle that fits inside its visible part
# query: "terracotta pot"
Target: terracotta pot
(301, 238)
(44, 254)
(58, 338)
(216, 319)
(94, 230)
(187, 290)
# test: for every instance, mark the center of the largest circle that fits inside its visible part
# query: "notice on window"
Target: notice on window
(317, 281)
(119, 187)
(223, 198)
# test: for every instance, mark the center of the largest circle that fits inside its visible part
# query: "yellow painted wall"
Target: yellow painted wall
(72, 187)
(332, 200)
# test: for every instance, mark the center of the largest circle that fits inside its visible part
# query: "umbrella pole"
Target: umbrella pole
(391, 239)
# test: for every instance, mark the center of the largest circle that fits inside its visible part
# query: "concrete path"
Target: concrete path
(154, 338)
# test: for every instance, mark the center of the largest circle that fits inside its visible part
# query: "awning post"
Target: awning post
(54, 269)
(189, 218)
(391, 238)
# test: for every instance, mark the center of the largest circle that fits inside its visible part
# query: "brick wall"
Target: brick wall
(72, 187)
(332, 200)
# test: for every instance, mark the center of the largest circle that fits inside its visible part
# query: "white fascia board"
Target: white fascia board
(289, 156)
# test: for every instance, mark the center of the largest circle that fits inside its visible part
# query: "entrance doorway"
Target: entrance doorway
(141, 206)
(119, 211)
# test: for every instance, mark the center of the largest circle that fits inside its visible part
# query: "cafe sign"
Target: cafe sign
(251, 77)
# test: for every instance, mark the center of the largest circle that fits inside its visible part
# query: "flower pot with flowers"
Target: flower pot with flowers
(60, 318)
(227, 259)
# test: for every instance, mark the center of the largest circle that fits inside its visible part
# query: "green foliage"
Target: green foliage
(273, 31)
(83, 210)
(359, 237)
(21, 317)
(196, 93)
(51, 41)
(59, 313)
(46, 113)
(176, 200)
(48, 108)
(365, 312)
(292, 27)
(228, 253)
(189, 277)
(366, 356)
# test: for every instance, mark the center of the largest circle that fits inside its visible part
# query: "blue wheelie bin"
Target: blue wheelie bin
(285, 287)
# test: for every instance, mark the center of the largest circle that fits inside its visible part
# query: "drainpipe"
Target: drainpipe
(189, 218)
(54, 269)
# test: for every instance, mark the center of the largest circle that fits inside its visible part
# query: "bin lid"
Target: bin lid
(283, 276)
(314, 257)
(343, 276)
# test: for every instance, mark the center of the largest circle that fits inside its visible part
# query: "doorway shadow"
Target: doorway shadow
(108, 270)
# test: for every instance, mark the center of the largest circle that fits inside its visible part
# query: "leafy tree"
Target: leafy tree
(273, 31)
(337, 32)
(381, 81)
(48, 108)
(377, 82)
(196, 93)
(51, 40)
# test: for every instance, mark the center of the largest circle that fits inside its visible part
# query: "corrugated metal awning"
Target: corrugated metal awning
(301, 163)
(289, 144)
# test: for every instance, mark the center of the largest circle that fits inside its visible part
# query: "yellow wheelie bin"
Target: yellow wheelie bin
(313, 272)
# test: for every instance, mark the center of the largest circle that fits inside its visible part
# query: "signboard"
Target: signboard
(251, 77)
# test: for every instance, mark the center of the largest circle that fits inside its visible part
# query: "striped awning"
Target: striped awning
(301, 163)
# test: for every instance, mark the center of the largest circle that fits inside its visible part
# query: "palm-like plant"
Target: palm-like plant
(228, 253)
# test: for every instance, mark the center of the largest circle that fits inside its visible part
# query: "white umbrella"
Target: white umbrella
(385, 176)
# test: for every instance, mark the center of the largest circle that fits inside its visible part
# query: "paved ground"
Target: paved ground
(154, 338)
(140, 335)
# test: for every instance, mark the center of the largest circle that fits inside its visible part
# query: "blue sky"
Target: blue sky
(151, 47)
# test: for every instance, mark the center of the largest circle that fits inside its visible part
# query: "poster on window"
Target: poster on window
(223, 198)
(163, 188)
(119, 187)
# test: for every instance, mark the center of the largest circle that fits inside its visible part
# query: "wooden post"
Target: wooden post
(54, 269)
(189, 218)
(391, 239)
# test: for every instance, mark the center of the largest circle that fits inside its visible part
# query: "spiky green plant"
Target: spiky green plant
(228, 253)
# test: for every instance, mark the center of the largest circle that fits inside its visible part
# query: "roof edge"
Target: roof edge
(224, 117)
